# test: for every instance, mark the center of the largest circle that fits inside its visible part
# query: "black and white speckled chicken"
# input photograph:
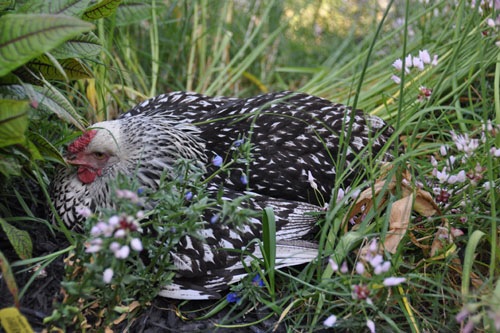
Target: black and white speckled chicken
(294, 138)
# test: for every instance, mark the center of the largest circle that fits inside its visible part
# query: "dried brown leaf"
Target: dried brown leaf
(399, 220)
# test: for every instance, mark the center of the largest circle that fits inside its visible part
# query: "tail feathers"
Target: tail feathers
(289, 253)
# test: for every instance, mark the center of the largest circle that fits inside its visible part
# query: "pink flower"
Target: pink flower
(393, 281)
(408, 61)
(495, 151)
(442, 176)
(330, 321)
(107, 275)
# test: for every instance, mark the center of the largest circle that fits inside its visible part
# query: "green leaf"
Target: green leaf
(6, 4)
(26, 36)
(9, 166)
(130, 12)
(81, 46)
(45, 148)
(101, 9)
(20, 239)
(46, 98)
(65, 7)
(269, 243)
(13, 122)
(8, 277)
(66, 69)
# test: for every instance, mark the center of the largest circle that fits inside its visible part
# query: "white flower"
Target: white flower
(409, 61)
(371, 325)
(393, 281)
(490, 22)
(115, 246)
(417, 62)
(123, 252)
(120, 233)
(434, 60)
(396, 79)
(442, 176)
(443, 150)
(94, 246)
(136, 244)
(424, 56)
(335, 266)
(107, 275)
(330, 321)
(376, 260)
(495, 151)
(84, 211)
(114, 220)
(434, 162)
(340, 195)
(398, 64)
(360, 268)
(344, 269)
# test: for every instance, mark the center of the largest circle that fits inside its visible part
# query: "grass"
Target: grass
(243, 48)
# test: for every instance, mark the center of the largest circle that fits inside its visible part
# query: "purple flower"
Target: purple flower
(233, 298)
(214, 218)
(94, 246)
(217, 161)
(238, 143)
(335, 266)
(244, 179)
(360, 268)
(188, 196)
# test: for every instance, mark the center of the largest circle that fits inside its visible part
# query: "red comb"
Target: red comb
(79, 144)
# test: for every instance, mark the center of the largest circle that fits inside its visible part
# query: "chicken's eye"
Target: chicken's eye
(99, 155)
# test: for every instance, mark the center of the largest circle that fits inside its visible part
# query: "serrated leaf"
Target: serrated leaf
(73, 69)
(26, 36)
(82, 46)
(130, 12)
(101, 9)
(65, 7)
(19, 239)
(45, 148)
(13, 122)
(9, 166)
(6, 4)
(8, 277)
(46, 98)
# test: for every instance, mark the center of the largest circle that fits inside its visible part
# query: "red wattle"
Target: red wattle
(86, 175)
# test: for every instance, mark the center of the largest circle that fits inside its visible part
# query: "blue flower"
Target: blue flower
(233, 298)
(188, 196)
(257, 281)
(244, 179)
(238, 143)
(140, 191)
(217, 161)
